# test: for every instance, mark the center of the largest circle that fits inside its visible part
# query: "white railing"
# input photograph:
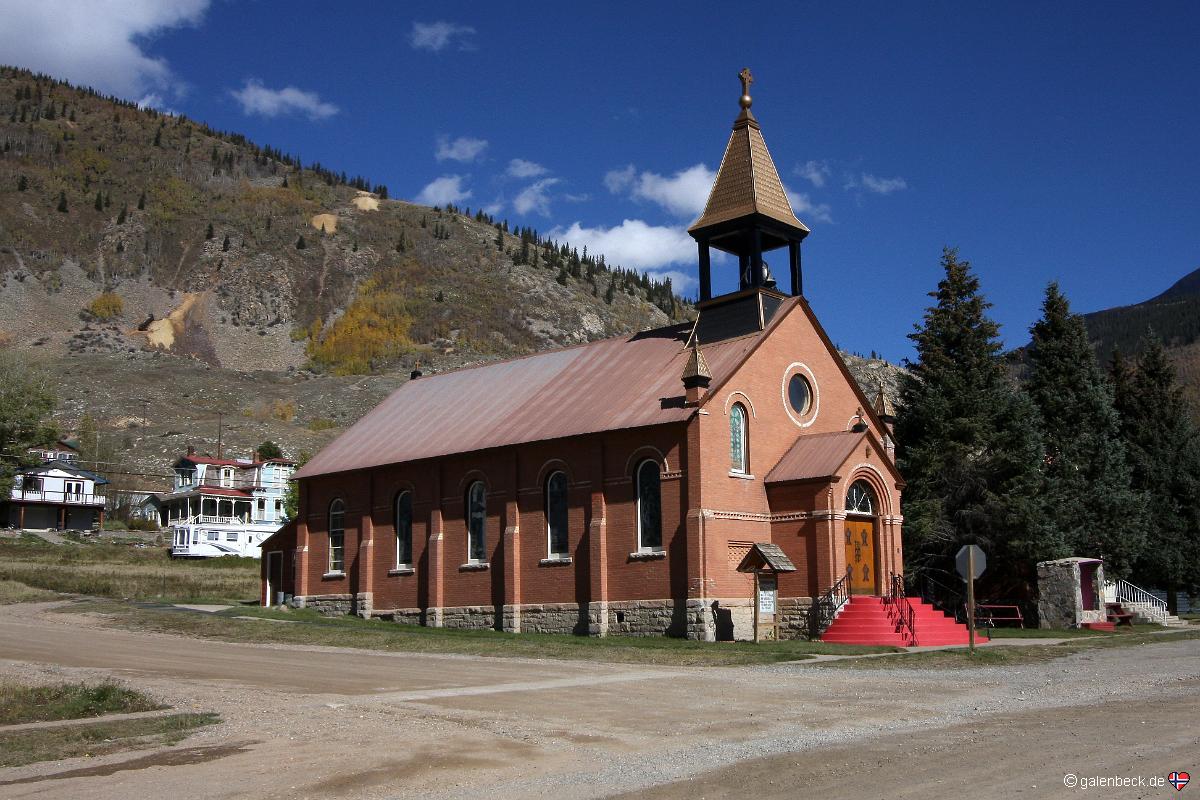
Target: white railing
(69, 498)
(1128, 594)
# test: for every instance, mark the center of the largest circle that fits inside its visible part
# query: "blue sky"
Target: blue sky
(1046, 141)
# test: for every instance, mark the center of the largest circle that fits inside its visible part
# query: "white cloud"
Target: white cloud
(97, 43)
(535, 197)
(437, 36)
(883, 185)
(808, 211)
(443, 190)
(258, 99)
(464, 149)
(520, 168)
(682, 194)
(618, 180)
(157, 102)
(633, 244)
(815, 172)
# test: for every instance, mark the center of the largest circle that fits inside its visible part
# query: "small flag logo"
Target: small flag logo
(1179, 780)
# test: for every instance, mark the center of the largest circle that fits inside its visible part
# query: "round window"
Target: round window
(800, 394)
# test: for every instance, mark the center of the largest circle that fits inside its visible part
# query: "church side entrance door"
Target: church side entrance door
(860, 555)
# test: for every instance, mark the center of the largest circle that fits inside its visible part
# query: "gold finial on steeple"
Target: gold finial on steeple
(746, 79)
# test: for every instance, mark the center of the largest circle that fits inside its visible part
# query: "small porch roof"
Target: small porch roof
(766, 557)
(823, 455)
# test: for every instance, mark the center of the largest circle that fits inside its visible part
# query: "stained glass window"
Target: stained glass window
(476, 520)
(649, 503)
(737, 439)
(337, 536)
(556, 513)
(404, 529)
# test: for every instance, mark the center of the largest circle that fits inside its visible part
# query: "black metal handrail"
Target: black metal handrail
(825, 608)
(944, 598)
(900, 609)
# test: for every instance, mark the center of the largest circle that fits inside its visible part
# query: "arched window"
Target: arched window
(739, 447)
(337, 536)
(649, 506)
(404, 529)
(476, 522)
(556, 514)
(860, 499)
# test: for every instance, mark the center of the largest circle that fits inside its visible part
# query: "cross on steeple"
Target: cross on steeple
(746, 79)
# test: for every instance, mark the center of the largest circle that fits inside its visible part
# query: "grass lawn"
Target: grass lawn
(122, 571)
(309, 628)
(20, 703)
(15, 592)
(97, 738)
(961, 657)
(1068, 633)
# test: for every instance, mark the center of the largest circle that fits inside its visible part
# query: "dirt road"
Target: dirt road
(323, 722)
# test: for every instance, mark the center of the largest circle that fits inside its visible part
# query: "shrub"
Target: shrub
(321, 424)
(107, 306)
(375, 328)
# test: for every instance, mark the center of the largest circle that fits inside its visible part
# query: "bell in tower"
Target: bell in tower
(748, 213)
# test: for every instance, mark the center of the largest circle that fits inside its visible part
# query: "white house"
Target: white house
(224, 506)
(56, 495)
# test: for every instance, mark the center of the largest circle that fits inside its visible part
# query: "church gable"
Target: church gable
(792, 385)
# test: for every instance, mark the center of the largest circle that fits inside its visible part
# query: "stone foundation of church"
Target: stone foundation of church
(704, 620)
(327, 605)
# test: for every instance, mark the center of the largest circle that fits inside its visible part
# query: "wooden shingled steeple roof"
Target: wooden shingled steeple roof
(747, 182)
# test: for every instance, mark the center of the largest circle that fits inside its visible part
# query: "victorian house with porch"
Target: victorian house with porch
(224, 506)
(617, 486)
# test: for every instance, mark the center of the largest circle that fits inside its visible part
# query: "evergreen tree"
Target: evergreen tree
(22, 183)
(122, 214)
(300, 244)
(610, 292)
(208, 232)
(142, 201)
(1087, 494)
(969, 448)
(562, 276)
(99, 201)
(269, 449)
(62, 202)
(1162, 439)
(225, 244)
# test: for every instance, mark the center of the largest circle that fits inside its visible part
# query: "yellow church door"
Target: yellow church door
(860, 555)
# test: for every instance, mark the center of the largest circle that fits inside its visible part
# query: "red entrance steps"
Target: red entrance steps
(866, 620)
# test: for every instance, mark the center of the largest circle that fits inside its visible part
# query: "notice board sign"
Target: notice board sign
(766, 595)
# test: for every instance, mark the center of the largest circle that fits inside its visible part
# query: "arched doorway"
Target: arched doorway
(860, 538)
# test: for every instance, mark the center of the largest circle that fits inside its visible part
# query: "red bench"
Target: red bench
(990, 614)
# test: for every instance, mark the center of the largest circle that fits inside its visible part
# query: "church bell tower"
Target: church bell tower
(747, 215)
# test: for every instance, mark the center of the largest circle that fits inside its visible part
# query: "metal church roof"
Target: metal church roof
(612, 384)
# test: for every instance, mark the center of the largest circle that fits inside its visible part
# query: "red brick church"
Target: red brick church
(615, 487)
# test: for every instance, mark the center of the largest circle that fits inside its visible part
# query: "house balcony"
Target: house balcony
(62, 498)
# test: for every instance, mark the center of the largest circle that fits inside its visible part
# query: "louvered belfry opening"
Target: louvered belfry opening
(748, 214)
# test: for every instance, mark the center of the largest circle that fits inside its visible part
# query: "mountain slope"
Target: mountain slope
(257, 261)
